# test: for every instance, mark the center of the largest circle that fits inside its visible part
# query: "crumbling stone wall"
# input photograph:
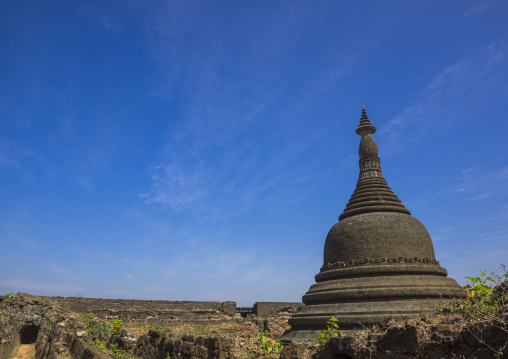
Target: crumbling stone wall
(133, 310)
(137, 308)
(21, 318)
(272, 309)
(61, 334)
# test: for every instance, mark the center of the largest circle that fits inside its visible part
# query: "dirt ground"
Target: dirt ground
(24, 351)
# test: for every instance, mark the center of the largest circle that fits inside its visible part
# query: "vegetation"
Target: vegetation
(266, 345)
(86, 319)
(100, 344)
(94, 329)
(324, 336)
(118, 353)
(97, 329)
(482, 300)
(117, 324)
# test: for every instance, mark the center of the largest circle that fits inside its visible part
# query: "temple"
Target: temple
(379, 262)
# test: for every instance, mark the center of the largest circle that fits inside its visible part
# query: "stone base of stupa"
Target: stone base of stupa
(371, 294)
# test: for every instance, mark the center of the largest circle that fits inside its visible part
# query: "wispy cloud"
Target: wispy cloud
(244, 274)
(175, 188)
(476, 183)
(478, 8)
(237, 131)
(449, 98)
(12, 153)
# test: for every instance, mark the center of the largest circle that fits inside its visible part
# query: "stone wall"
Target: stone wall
(134, 309)
(60, 334)
(143, 308)
(21, 317)
(272, 309)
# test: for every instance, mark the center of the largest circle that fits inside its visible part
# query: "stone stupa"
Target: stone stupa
(379, 261)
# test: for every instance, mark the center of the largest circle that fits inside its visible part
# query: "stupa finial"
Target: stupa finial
(365, 127)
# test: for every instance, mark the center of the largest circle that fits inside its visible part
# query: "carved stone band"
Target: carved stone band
(383, 260)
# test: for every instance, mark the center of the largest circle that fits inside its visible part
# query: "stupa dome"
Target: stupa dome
(379, 262)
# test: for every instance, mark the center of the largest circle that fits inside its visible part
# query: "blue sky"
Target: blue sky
(201, 150)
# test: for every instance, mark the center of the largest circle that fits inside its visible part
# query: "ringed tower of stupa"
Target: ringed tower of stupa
(379, 262)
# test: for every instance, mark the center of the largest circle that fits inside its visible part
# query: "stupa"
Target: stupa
(379, 261)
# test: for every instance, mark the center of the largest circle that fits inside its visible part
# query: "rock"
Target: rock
(341, 347)
(493, 334)
(403, 340)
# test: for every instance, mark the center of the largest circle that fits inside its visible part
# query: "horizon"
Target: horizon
(202, 151)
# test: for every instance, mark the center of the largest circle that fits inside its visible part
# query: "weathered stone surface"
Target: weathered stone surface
(133, 310)
(438, 335)
(21, 318)
(379, 262)
(403, 340)
(271, 309)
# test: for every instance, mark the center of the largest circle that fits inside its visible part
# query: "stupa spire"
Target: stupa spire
(365, 126)
(372, 193)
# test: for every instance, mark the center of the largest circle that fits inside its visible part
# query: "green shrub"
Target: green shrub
(118, 353)
(100, 344)
(86, 319)
(97, 329)
(482, 300)
(117, 324)
(479, 287)
(266, 346)
(324, 336)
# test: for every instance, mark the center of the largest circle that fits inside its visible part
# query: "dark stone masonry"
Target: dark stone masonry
(379, 262)
(158, 310)
(57, 333)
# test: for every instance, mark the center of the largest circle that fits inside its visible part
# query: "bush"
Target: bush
(324, 336)
(98, 329)
(117, 324)
(267, 346)
(482, 300)
(100, 344)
